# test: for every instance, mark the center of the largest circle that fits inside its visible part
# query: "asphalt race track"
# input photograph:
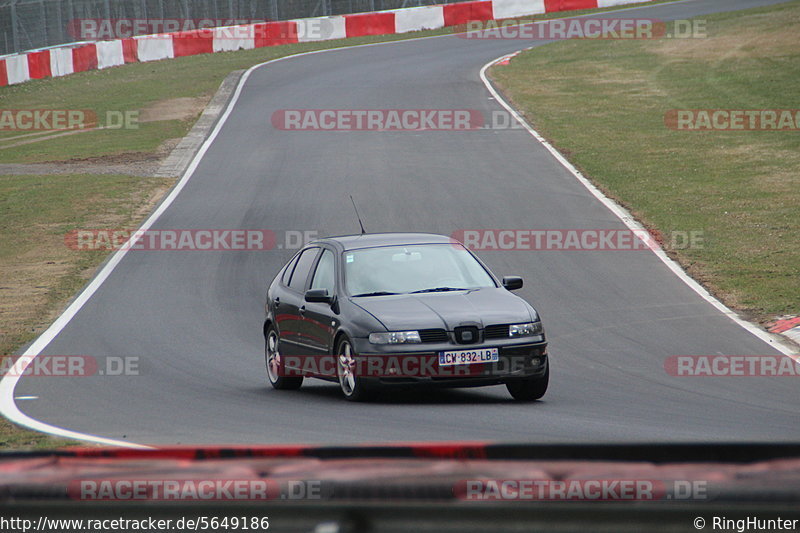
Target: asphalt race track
(194, 318)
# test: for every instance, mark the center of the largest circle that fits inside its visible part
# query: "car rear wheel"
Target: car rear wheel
(529, 389)
(353, 387)
(272, 357)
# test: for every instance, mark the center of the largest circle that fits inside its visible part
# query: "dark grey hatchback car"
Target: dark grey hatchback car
(396, 309)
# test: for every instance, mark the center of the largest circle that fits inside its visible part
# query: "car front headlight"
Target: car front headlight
(525, 330)
(394, 337)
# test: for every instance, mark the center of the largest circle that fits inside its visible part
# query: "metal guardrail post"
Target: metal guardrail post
(14, 26)
(71, 17)
(43, 15)
(60, 23)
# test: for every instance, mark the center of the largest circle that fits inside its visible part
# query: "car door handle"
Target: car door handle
(302, 310)
(276, 302)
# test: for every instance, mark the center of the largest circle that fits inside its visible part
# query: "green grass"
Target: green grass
(14, 438)
(603, 104)
(39, 272)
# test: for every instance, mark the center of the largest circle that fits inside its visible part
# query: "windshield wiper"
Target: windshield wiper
(376, 293)
(440, 289)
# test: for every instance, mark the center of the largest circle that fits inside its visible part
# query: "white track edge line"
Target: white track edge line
(632, 224)
(8, 382)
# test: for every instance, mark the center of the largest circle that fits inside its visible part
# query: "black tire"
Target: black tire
(529, 389)
(354, 388)
(272, 358)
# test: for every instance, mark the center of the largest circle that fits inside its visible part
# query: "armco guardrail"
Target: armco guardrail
(35, 24)
(79, 57)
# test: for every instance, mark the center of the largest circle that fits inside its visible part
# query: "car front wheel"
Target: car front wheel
(529, 389)
(353, 387)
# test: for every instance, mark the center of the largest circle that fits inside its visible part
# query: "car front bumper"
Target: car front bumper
(406, 364)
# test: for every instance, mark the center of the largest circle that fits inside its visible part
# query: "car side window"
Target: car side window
(302, 268)
(287, 272)
(324, 277)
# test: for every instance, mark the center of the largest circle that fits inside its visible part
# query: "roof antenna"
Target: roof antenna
(363, 231)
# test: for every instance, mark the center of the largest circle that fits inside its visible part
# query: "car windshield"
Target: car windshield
(406, 269)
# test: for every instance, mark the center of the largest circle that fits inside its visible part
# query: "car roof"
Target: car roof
(371, 240)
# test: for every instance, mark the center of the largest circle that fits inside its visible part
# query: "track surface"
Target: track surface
(194, 318)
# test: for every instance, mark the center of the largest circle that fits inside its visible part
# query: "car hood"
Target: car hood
(446, 310)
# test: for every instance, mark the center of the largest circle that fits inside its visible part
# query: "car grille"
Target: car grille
(467, 335)
(496, 331)
(433, 335)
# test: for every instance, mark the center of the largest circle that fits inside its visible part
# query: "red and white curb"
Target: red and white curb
(80, 57)
(788, 326)
(505, 60)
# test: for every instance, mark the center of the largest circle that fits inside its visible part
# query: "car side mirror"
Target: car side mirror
(512, 283)
(318, 295)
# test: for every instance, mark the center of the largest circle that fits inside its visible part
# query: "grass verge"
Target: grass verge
(603, 104)
(39, 272)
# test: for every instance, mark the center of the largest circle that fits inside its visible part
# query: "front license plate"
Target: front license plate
(469, 357)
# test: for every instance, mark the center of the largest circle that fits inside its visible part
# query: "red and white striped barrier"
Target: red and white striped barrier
(110, 54)
(506, 9)
(104, 54)
(320, 28)
(418, 18)
(17, 69)
(61, 62)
